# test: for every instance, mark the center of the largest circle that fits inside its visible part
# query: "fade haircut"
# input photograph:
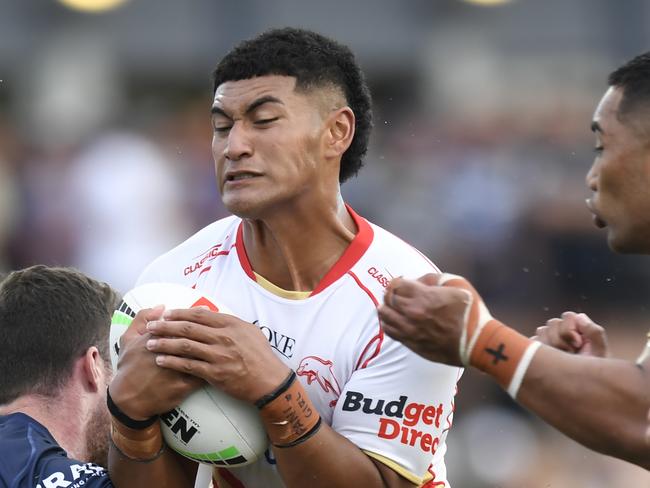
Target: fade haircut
(316, 62)
(634, 79)
(49, 317)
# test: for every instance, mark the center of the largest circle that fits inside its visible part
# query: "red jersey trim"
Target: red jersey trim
(348, 259)
(377, 340)
(352, 254)
(241, 252)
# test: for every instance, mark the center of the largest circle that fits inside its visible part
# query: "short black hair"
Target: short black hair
(634, 79)
(49, 317)
(315, 61)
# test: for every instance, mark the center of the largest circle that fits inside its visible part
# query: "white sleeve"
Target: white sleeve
(398, 409)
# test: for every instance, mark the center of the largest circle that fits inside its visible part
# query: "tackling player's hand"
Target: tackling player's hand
(575, 333)
(140, 388)
(227, 352)
(425, 317)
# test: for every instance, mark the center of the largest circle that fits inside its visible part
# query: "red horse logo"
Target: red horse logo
(320, 370)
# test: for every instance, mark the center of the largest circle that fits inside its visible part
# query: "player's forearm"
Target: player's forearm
(329, 460)
(601, 403)
(168, 471)
(309, 452)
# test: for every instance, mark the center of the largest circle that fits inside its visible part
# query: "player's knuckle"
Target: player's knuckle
(187, 367)
(418, 312)
(185, 346)
(196, 313)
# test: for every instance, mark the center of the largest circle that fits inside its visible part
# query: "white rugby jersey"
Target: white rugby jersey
(394, 405)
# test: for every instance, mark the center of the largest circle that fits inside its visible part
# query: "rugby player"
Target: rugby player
(600, 402)
(54, 369)
(304, 274)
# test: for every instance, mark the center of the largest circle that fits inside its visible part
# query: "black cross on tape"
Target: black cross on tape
(497, 353)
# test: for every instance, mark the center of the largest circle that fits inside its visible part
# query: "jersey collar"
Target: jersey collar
(348, 259)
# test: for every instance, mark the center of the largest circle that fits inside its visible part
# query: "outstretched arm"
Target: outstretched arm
(601, 403)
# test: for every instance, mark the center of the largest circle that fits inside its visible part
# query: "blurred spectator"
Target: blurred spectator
(128, 207)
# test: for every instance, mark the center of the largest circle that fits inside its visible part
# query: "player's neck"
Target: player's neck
(294, 251)
(55, 415)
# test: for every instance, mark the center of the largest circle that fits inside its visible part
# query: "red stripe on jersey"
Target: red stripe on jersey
(241, 252)
(377, 340)
(432, 483)
(352, 254)
(230, 479)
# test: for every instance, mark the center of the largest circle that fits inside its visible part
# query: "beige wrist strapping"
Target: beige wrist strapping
(488, 344)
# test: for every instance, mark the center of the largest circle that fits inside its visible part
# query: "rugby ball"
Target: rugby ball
(210, 426)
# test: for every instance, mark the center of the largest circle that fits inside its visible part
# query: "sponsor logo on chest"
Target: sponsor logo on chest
(78, 476)
(399, 419)
(200, 260)
(278, 341)
(383, 278)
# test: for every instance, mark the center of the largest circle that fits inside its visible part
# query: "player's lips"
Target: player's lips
(598, 222)
(239, 176)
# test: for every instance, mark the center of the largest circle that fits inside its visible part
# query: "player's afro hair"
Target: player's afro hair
(315, 61)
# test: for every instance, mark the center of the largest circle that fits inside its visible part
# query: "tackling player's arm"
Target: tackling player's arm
(601, 403)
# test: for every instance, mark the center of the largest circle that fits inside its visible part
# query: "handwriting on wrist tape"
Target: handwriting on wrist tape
(291, 418)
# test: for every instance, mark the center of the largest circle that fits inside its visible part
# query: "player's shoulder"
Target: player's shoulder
(216, 237)
(396, 256)
(29, 452)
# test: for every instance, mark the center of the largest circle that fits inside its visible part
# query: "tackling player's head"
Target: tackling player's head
(620, 174)
(55, 322)
(291, 112)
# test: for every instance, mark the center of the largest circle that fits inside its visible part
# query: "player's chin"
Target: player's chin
(244, 206)
(622, 242)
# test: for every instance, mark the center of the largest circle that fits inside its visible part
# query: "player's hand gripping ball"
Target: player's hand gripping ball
(209, 426)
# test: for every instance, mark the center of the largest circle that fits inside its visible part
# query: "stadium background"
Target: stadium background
(478, 158)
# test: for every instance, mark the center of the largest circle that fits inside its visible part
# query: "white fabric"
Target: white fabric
(333, 341)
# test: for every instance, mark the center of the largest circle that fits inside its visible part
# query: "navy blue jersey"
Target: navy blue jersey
(31, 458)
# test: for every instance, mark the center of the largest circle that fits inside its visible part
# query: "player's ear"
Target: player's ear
(340, 131)
(93, 369)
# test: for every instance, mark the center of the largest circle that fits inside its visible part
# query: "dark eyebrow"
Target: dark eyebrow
(262, 101)
(257, 103)
(595, 127)
(217, 111)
